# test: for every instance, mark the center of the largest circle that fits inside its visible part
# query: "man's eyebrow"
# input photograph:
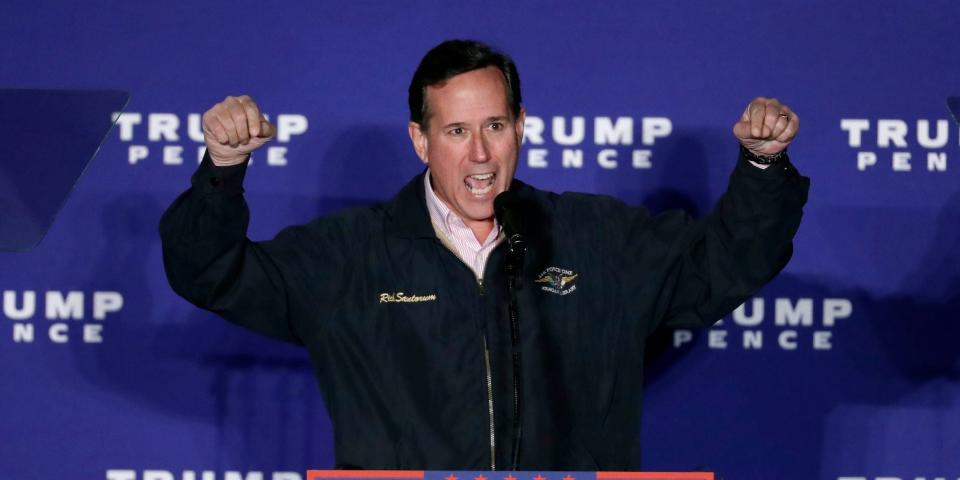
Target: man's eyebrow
(498, 118)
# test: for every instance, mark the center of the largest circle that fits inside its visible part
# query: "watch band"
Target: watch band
(763, 159)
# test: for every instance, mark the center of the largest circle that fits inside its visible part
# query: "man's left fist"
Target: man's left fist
(766, 126)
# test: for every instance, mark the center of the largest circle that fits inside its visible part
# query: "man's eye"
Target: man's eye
(496, 125)
(456, 131)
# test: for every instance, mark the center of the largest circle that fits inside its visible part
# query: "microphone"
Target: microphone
(506, 207)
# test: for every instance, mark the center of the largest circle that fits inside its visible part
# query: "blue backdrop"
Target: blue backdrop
(847, 366)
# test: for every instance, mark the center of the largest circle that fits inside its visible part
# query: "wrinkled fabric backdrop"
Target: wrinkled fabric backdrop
(846, 365)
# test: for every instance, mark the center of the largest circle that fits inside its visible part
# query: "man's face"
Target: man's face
(472, 142)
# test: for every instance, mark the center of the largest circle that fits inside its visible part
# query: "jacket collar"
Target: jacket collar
(408, 213)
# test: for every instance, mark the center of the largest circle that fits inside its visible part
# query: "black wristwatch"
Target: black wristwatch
(763, 159)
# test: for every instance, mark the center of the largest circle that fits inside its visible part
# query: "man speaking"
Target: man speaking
(446, 337)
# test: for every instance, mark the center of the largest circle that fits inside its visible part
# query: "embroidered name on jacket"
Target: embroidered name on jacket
(401, 297)
(557, 280)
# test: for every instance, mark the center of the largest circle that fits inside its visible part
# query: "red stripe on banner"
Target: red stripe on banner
(385, 474)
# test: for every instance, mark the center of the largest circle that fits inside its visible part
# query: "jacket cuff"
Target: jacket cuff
(778, 171)
(210, 178)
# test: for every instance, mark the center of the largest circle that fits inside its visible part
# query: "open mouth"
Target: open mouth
(480, 185)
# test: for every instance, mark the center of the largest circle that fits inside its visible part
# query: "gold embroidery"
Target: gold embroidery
(401, 297)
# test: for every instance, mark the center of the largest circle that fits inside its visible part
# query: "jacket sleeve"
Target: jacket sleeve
(714, 264)
(210, 262)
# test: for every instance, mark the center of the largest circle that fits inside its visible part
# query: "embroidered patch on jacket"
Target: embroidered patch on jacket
(401, 297)
(557, 280)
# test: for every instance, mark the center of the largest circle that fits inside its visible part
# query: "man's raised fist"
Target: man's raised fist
(766, 126)
(233, 128)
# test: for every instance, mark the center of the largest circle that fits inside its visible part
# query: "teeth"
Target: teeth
(473, 183)
(480, 191)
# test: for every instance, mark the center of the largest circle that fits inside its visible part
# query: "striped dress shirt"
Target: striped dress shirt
(457, 236)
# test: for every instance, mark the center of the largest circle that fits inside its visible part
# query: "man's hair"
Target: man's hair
(451, 58)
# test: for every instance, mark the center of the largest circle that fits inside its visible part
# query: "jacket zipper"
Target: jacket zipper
(486, 360)
(489, 371)
(493, 437)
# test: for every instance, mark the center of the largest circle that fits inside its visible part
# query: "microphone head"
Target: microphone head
(507, 209)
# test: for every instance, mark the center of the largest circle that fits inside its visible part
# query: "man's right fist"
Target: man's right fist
(233, 128)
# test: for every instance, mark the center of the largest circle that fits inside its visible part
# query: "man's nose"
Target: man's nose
(479, 149)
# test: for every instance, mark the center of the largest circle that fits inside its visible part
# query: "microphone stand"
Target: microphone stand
(515, 254)
(507, 210)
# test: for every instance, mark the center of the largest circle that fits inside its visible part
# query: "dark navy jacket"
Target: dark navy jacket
(404, 338)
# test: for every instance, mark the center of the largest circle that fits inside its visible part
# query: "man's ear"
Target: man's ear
(419, 139)
(518, 125)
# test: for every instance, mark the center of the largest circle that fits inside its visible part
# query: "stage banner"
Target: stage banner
(845, 367)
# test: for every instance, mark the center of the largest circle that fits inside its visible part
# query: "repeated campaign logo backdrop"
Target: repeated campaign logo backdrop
(846, 367)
